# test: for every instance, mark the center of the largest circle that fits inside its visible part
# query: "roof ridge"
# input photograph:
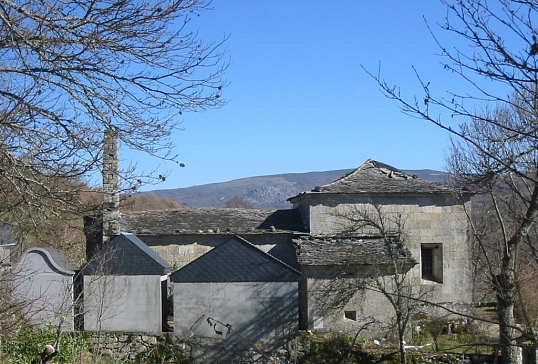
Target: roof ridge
(55, 256)
(280, 273)
(369, 162)
(374, 177)
(252, 246)
(344, 177)
(144, 248)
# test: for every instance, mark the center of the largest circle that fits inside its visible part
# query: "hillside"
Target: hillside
(269, 192)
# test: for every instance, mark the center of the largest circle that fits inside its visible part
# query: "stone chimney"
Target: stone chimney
(111, 185)
(98, 229)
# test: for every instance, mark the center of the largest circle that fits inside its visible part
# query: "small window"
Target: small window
(431, 260)
(350, 315)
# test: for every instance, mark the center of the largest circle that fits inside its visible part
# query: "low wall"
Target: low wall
(133, 347)
(122, 346)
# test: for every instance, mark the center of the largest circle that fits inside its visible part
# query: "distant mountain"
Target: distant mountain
(265, 192)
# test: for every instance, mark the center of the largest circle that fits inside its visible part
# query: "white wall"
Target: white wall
(46, 296)
(122, 303)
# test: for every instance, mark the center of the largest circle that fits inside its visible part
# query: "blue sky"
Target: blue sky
(299, 99)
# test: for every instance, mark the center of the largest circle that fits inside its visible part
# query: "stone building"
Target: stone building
(368, 203)
(325, 237)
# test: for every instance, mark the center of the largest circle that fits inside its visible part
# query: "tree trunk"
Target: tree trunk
(401, 336)
(505, 286)
(510, 351)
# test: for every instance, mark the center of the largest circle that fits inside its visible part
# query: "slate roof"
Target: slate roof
(348, 251)
(236, 260)
(379, 178)
(212, 220)
(126, 254)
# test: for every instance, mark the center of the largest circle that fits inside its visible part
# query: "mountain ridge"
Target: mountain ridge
(265, 192)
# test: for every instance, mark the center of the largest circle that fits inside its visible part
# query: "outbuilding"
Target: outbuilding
(125, 288)
(236, 292)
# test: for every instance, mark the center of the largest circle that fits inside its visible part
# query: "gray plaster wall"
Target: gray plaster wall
(115, 303)
(260, 312)
(45, 295)
(428, 220)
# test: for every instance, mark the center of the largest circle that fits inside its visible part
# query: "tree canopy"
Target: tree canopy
(71, 69)
(495, 145)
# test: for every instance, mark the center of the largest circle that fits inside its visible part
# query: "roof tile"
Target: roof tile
(377, 177)
(349, 252)
(211, 220)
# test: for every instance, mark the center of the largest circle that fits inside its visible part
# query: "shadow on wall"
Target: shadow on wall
(224, 320)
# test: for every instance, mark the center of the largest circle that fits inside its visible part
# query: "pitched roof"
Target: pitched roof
(212, 220)
(349, 252)
(236, 260)
(377, 177)
(126, 254)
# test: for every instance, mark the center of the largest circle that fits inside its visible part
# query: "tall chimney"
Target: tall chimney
(111, 185)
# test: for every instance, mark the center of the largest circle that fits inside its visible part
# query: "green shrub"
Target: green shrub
(25, 345)
(162, 352)
(334, 348)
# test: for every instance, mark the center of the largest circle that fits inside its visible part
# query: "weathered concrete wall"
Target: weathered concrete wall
(123, 303)
(260, 312)
(45, 295)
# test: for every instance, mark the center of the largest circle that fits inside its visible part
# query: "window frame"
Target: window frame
(350, 315)
(431, 262)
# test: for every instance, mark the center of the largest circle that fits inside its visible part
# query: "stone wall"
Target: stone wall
(132, 347)
(428, 220)
(122, 346)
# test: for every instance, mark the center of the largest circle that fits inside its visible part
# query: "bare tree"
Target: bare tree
(504, 231)
(238, 202)
(394, 281)
(496, 141)
(148, 202)
(70, 70)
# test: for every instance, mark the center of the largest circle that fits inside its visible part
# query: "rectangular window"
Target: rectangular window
(350, 315)
(431, 261)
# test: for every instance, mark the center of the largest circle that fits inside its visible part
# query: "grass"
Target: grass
(336, 348)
